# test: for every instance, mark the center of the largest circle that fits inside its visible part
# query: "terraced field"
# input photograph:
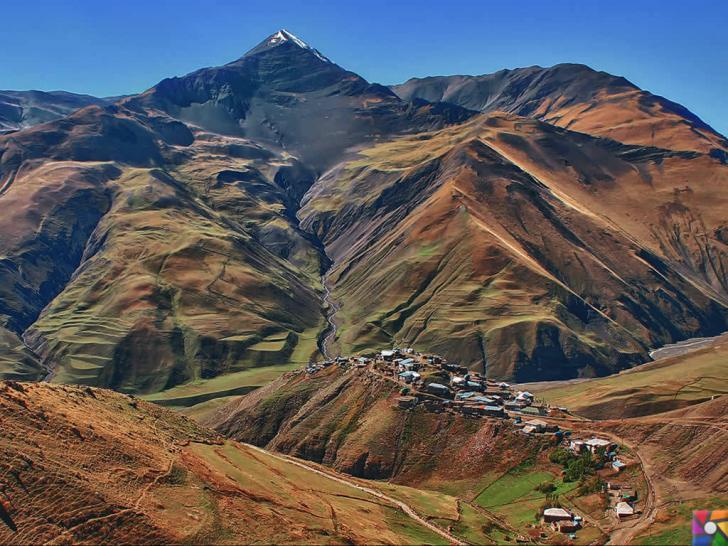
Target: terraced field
(200, 391)
(16, 360)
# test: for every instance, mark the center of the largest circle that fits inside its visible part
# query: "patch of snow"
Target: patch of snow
(283, 36)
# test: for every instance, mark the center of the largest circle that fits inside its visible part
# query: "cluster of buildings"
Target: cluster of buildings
(594, 445)
(439, 386)
(443, 386)
(341, 361)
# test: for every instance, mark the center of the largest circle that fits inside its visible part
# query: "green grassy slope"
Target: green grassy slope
(182, 273)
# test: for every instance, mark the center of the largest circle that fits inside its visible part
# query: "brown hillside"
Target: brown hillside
(576, 97)
(666, 384)
(350, 421)
(179, 266)
(82, 465)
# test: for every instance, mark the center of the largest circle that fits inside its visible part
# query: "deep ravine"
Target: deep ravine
(328, 334)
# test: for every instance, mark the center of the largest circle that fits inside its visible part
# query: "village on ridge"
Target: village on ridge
(431, 382)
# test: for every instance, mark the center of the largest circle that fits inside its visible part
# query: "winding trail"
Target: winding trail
(626, 533)
(406, 508)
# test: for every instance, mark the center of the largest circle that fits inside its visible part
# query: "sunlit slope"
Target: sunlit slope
(16, 360)
(174, 261)
(664, 385)
(350, 421)
(83, 465)
(579, 98)
(545, 253)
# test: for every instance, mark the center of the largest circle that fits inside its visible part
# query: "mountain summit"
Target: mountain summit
(578, 98)
(285, 38)
(286, 93)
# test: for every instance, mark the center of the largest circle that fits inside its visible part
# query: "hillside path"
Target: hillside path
(407, 509)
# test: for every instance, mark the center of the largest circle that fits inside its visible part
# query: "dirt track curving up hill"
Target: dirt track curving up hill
(88, 465)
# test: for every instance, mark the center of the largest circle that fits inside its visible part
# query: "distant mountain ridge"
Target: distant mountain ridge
(24, 109)
(192, 231)
(576, 97)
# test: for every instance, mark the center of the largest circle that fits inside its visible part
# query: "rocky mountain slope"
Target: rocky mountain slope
(23, 109)
(180, 235)
(286, 94)
(534, 251)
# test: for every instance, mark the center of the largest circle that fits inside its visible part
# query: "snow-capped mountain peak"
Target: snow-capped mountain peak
(282, 37)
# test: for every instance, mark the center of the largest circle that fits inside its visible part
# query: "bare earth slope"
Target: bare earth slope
(350, 421)
(81, 465)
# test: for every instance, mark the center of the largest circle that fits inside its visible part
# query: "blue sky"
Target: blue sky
(677, 49)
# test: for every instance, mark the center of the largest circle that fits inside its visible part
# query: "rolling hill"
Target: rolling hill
(180, 238)
(350, 421)
(667, 384)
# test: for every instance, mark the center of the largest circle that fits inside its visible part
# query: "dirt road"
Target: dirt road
(626, 533)
(407, 509)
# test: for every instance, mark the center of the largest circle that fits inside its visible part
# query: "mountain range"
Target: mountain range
(534, 224)
(23, 109)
